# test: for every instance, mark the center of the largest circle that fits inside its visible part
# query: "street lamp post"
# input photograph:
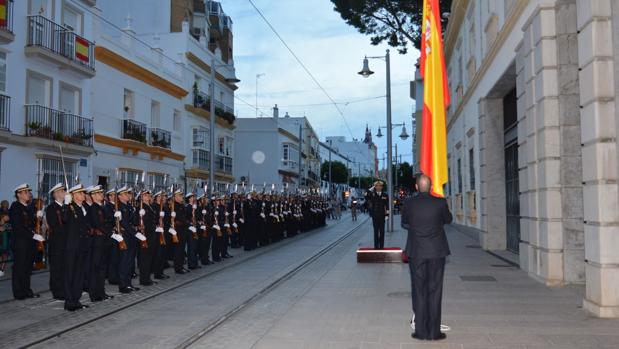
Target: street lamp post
(212, 116)
(330, 185)
(366, 72)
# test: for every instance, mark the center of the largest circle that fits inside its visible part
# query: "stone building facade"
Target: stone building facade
(532, 137)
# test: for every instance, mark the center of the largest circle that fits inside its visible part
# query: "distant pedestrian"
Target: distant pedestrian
(5, 231)
(427, 248)
(4, 207)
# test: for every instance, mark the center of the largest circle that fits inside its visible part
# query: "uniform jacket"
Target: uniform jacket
(378, 204)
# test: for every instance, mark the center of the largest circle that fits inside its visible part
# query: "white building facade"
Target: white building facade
(362, 155)
(280, 150)
(47, 65)
(532, 137)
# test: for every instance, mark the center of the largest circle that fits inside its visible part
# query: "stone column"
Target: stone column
(599, 153)
(492, 174)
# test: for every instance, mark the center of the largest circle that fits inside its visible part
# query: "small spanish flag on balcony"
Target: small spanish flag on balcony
(81, 49)
(3, 13)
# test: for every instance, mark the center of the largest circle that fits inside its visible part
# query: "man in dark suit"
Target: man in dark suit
(427, 249)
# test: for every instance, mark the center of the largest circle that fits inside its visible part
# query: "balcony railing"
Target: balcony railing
(6, 21)
(160, 138)
(290, 165)
(134, 130)
(200, 159)
(49, 35)
(57, 125)
(5, 112)
(223, 164)
(202, 100)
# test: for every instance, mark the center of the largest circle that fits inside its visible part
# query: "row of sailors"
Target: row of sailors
(92, 236)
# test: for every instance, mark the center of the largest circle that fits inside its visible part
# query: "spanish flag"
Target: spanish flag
(81, 49)
(3, 13)
(433, 152)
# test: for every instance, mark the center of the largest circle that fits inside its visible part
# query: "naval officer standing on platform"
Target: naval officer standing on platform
(378, 204)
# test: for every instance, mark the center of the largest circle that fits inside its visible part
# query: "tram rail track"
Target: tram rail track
(41, 340)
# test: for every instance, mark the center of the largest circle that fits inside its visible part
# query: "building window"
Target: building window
(39, 89)
(129, 177)
(200, 137)
(459, 176)
(156, 181)
(2, 72)
(155, 113)
(177, 120)
(471, 169)
(51, 173)
(69, 99)
(128, 104)
(200, 159)
(285, 152)
(72, 19)
(41, 7)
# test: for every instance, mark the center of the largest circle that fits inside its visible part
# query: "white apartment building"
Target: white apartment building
(362, 155)
(532, 137)
(194, 36)
(270, 152)
(47, 64)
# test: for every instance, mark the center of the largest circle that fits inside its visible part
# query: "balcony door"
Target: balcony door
(69, 105)
(41, 7)
(39, 91)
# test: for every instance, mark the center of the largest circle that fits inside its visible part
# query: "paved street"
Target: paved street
(332, 302)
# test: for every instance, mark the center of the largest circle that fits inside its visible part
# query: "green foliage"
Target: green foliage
(395, 21)
(338, 172)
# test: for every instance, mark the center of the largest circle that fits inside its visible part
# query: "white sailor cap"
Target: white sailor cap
(159, 193)
(77, 189)
(111, 191)
(178, 192)
(190, 194)
(88, 189)
(145, 191)
(94, 189)
(213, 197)
(22, 187)
(201, 196)
(123, 189)
(57, 187)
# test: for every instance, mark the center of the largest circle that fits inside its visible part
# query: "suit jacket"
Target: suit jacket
(425, 216)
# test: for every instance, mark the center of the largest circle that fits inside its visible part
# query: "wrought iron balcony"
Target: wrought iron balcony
(160, 138)
(58, 43)
(5, 112)
(57, 125)
(134, 130)
(201, 100)
(6, 21)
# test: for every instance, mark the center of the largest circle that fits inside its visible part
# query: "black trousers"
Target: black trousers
(379, 232)
(204, 246)
(428, 295)
(75, 261)
(113, 264)
(23, 254)
(146, 257)
(99, 257)
(56, 272)
(179, 250)
(160, 258)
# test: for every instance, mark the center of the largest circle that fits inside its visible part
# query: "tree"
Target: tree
(395, 21)
(339, 173)
(405, 176)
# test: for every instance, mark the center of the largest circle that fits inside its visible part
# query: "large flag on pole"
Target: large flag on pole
(433, 152)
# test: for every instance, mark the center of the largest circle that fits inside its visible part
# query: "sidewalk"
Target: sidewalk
(487, 302)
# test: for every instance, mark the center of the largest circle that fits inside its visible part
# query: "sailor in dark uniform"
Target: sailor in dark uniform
(77, 248)
(206, 223)
(101, 223)
(57, 238)
(24, 240)
(180, 228)
(160, 258)
(127, 217)
(113, 248)
(378, 204)
(191, 211)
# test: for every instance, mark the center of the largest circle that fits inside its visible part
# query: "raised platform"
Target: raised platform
(385, 255)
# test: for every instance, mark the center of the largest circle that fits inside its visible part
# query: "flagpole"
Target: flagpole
(389, 142)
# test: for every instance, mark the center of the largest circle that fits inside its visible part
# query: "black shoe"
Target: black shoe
(416, 336)
(195, 267)
(59, 298)
(216, 259)
(181, 272)
(20, 298)
(107, 296)
(125, 290)
(228, 256)
(133, 288)
(162, 277)
(440, 337)
(97, 299)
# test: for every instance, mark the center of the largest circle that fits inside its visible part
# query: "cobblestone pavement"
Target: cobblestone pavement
(168, 313)
(337, 303)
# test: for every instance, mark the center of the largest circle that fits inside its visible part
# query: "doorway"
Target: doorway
(512, 193)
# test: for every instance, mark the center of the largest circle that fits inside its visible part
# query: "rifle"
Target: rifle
(122, 245)
(161, 203)
(37, 227)
(172, 219)
(143, 243)
(194, 206)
